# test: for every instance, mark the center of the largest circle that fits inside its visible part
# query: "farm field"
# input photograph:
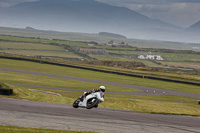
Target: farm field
(68, 50)
(85, 37)
(38, 40)
(36, 49)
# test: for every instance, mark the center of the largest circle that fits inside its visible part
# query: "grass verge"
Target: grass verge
(37, 67)
(21, 78)
(146, 104)
(14, 129)
(152, 106)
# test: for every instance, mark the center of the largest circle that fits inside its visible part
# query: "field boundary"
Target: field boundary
(101, 70)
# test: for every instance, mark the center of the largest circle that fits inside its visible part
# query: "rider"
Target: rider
(101, 88)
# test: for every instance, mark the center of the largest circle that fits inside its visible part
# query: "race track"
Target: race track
(60, 116)
(142, 88)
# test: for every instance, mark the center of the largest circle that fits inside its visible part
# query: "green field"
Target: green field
(175, 60)
(94, 37)
(44, 68)
(36, 49)
(150, 104)
(180, 63)
(39, 40)
(12, 77)
(185, 65)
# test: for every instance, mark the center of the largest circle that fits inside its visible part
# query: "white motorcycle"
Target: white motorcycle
(90, 101)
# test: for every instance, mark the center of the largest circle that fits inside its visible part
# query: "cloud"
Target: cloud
(184, 14)
(183, 1)
(156, 2)
(8, 3)
(179, 12)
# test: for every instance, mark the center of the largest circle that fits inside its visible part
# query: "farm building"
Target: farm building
(93, 51)
(150, 55)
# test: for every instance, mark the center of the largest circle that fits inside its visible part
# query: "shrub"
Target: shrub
(5, 90)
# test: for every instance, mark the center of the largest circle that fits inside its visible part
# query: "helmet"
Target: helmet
(102, 88)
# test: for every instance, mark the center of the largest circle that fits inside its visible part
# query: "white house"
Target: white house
(150, 56)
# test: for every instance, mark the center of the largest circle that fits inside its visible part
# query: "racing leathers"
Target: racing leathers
(89, 92)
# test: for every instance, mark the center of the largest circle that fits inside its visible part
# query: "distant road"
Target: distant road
(142, 88)
(26, 113)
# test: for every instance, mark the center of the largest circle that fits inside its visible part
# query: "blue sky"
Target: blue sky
(179, 12)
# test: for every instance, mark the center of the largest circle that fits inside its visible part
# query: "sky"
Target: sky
(182, 13)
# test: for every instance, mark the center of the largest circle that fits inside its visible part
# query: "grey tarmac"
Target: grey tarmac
(26, 113)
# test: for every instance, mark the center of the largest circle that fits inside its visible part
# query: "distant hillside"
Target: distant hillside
(106, 34)
(90, 16)
(29, 28)
(86, 37)
(195, 27)
(87, 16)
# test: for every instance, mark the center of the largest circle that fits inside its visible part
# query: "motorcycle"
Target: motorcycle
(90, 101)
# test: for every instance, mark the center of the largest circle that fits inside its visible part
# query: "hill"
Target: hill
(88, 16)
(195, 27)
(106, 34)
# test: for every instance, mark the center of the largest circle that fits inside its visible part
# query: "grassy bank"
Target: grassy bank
(146, 104)
(153, 106)
(13, 129)
(21, 78)
(57, 82)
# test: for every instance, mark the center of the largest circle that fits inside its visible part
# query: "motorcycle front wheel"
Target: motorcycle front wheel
(92, 103)
(75, 104)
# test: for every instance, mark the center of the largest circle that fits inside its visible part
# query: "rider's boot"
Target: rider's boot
(82, 97)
